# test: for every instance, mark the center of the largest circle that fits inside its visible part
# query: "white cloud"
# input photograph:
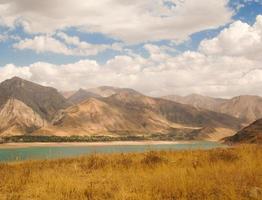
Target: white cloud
(43, 44)
(226, 65)
(131, 21)
(3, 38)
(240, 39)
(190, 72)
(69, 46)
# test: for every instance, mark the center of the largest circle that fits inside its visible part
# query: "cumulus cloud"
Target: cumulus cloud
(69, 46)
(43, 44)
(130, 21)
(224, 66)
(190, 72)
(240, 39)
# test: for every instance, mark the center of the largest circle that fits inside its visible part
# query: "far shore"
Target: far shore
(110, 143)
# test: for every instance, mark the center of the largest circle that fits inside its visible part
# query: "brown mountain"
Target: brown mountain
(81, 95)
(250, 134)
(45, 101)
(129, 112)
(247, 108)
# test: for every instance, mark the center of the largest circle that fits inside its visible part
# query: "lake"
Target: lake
(52, 152)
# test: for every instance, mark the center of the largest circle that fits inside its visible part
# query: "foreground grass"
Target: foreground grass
(211, 174)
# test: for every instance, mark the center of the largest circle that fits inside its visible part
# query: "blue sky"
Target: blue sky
(32, 32)
(247, 14)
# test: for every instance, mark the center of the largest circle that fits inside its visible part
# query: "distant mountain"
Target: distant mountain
(67, 94)
(81, 95)
(250, 134)
(131, 113)
(198, 101)
(16, 118)
(45, 101)
(106, 91)
(246, 108)
(99, 92)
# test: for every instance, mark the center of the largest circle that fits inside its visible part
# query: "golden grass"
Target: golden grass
(234, 173)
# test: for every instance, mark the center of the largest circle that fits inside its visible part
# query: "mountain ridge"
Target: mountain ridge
(130, 112)
(247, 108)
(120, 111)
(46, 101)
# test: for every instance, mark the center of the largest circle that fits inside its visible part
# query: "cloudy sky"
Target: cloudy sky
(159, 47)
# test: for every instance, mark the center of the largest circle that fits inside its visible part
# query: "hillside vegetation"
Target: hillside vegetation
(233, 173)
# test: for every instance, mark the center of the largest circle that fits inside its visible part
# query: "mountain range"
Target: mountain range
(130, 112)
(246, 108)
(27, 108)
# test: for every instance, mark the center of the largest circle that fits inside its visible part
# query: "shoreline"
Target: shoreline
(110, 143)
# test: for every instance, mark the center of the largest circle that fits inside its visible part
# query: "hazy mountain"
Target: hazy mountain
(45, 101)
(250, 134)
(67, 94)
(106, 91)
(129, 112)
(16, 118)
(246, 108)
(198, 101)
(81, 95)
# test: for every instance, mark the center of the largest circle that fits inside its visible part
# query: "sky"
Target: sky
(158, 47)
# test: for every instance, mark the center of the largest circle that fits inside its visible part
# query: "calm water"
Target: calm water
(33, 153)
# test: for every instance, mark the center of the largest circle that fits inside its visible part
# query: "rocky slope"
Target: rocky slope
(249, 134)
(16, 118)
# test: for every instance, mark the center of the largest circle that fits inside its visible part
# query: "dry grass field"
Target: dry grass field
(233, 173)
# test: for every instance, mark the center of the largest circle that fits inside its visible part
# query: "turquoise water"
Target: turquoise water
(51, 152)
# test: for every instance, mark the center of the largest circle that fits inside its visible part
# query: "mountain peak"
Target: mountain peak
(46, 101)
(14, 80)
